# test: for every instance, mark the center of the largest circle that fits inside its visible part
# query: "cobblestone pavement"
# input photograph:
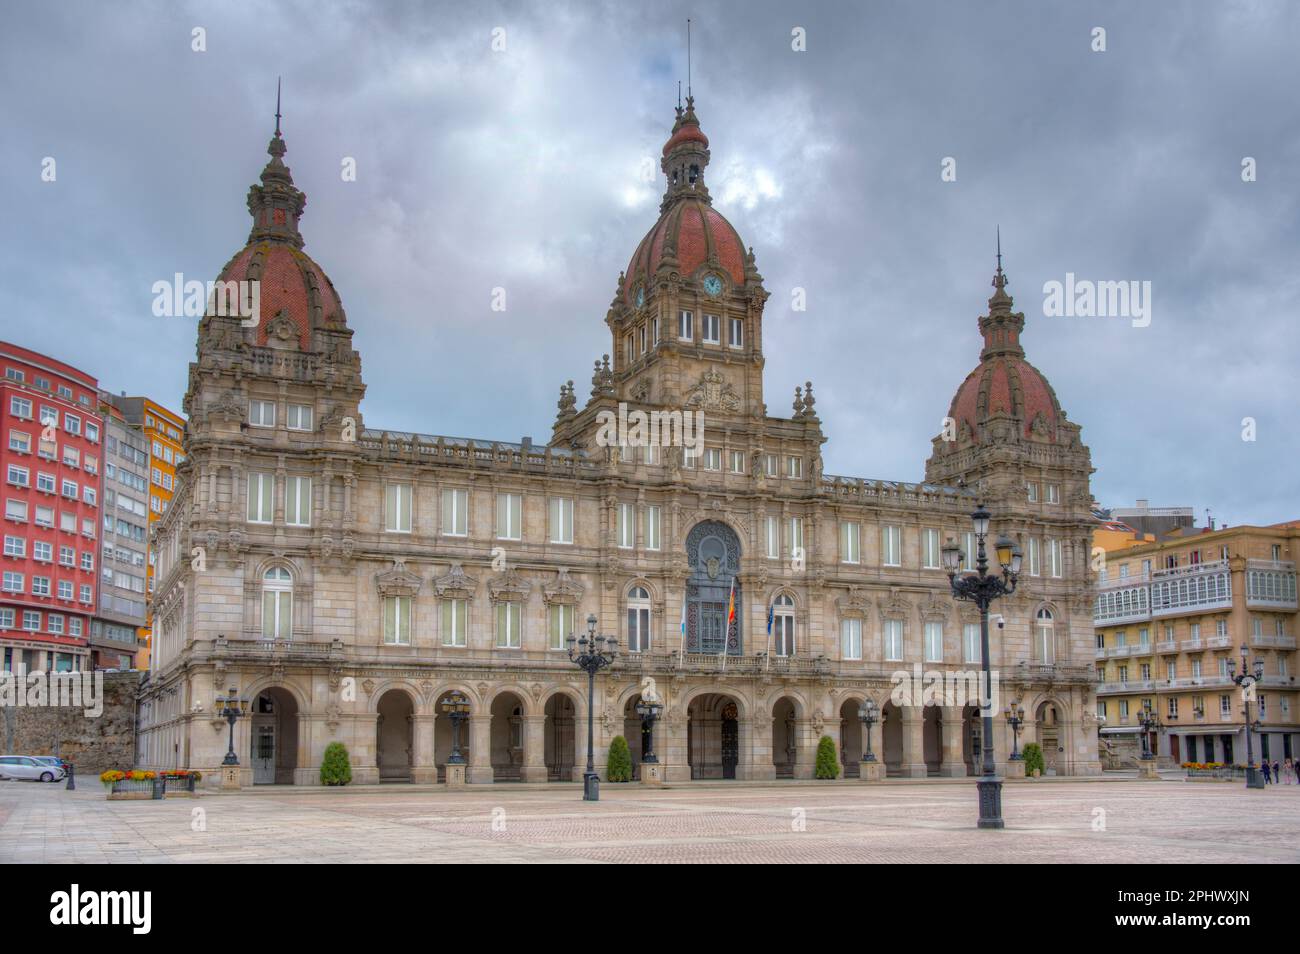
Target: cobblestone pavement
(894, 822)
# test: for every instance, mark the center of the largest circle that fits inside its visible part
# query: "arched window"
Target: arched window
(277, 604)
(638, 620)
(783, 625)
(1045, 637)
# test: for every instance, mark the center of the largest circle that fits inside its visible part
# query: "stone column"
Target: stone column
(423, 769)
(480, 750)
(761, 767)
(534, 767)
(953, 763)
(913, 741)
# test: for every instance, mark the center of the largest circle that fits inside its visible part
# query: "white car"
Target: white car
(26, 767)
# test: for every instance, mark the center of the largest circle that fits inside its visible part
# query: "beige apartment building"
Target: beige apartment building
(1172, 616)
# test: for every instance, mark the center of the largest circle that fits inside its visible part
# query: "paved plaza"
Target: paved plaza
(1104, 821)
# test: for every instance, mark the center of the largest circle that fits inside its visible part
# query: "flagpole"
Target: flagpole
(681, 643)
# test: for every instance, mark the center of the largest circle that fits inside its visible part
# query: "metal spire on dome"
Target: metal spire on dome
(277, 107)
(1000, 280)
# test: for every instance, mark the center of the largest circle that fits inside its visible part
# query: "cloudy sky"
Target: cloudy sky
(522, 168)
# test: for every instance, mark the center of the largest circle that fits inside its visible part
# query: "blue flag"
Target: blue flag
(769, 619)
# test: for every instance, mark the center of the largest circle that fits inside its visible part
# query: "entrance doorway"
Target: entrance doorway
(274, 737)
(713, 736)
(1049, 738)
(561, 741)
(394, 736)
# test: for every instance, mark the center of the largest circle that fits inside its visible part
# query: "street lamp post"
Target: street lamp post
(649, 712)
(867, 713)
(1147, 719)
(982, 588)
(456, 706)
(230, 708)
(1246, 679)
(593, 653)
(1015, 719)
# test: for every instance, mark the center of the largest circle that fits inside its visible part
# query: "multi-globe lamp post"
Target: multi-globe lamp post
(649, 713)
(456, 706)
(1247, 679)
(591, 654)
(868, 714)
(1015, 719)
(982, 588)
(230, 707)
(1147, 719)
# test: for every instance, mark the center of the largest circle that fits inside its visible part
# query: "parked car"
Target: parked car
(29, 767)
(54, 760)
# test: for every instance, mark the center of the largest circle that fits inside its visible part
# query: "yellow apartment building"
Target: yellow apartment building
(1171, 618)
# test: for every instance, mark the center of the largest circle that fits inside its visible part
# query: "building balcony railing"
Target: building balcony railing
(1134, 685)
(1278, 682)
(1280, 642)
(1196, 682)
(1271, 584)
(1167, 646)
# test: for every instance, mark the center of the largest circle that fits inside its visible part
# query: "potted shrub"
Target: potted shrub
(619, 767)
(335, 768)
(1034, 764)
(828, 765)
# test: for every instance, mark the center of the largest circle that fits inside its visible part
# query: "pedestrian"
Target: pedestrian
(1288, 767)
(1266, 772)
(1277, 773)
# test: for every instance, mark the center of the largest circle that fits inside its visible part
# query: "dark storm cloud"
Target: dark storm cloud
(522, 170)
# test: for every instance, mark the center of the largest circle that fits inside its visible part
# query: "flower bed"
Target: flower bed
(141, 783)
(1213, 771)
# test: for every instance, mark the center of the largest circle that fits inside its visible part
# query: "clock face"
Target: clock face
(713, 285)
(640, 296)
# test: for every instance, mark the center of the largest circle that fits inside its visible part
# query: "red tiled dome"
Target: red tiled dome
(291, 284)
(687, 133)
(700, 234)
(1006, 384)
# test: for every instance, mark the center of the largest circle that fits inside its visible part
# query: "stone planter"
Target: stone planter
(131, 790)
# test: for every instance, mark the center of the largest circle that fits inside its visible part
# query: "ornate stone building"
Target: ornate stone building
(345, 579)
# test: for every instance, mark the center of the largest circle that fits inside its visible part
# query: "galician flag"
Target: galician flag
(731, 603)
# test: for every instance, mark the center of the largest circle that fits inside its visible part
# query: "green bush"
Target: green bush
(619, 768)
(335, 769)
(828, 764)
(1033, 753)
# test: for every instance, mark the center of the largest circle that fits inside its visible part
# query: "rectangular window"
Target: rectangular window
(625, 519)
(561, 520)
(31, 620)
(771, 538)
(72, 424)
(40, 586)
(653, 519)
(13, 582)
(70, 489)
(796, 538)
(42, 551)
(454, 616)
(735, 332)
(930, 549)
(508, 624)
(1035, 563)
(44, 483)
(397, 620)
(851, 638)
(455, 512)
(737, 462)
(21, 407)
(712, 329)
(971, 548)
(15, 547)
(850, 542)
(560, 624)
(261, 490)
(934, 642)
(638, 628)
(54, 622)
(45, 517)
(685, 327)
(67, 556)
(794, 467)
(769, 465)
(1031, 489)
(20, 442)
(19, 476)
(16, 510)
(892, 633)
(397, 508)
(891, 546)
(510, 516)
(1053, 493)
(277, 614)
(1054, 556)
(713, 458)
(970, 643)
(297, 417)
(261, 414)
(297, 501)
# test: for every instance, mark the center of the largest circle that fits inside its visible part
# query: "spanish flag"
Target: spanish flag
(731, 603)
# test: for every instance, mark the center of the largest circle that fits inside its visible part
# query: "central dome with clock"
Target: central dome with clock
(691, 237)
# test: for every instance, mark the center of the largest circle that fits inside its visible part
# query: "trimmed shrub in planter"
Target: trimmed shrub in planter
(1033, 753)
(619, 767)
(828, 765)
(335, 769)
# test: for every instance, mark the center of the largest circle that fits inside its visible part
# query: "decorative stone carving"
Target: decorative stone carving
(455, 583)
(399, 581)
(563, 589)
(508, 586)
(935, 608)
(895, 606)
(713, 393)
(854, 603)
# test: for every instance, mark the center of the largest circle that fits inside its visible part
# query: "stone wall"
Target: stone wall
(92, 744)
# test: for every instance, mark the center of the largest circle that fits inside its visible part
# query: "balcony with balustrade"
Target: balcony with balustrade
(1196, 588)
(1271, 584)
(1123, 600)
